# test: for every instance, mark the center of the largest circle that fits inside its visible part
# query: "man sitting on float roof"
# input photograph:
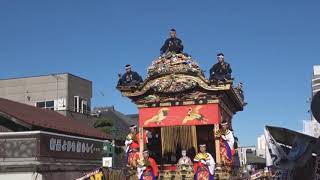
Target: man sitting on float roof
(221, 71)
(130, 78)
(172, 44)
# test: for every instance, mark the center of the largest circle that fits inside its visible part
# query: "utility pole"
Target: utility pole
(57, 77)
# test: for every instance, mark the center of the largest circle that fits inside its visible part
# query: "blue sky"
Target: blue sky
(271, 45)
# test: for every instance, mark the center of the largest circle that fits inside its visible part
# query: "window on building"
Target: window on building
(88, 108)
(46, 105)
(49, 103)
(75, 106)
(41, 104)
(81, 105)
(84, 106)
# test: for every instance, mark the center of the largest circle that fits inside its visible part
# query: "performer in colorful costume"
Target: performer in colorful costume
(147, 168)
(226, 145)
(132, 146)
(204, 165)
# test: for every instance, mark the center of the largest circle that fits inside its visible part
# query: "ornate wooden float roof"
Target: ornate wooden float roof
(175, 79)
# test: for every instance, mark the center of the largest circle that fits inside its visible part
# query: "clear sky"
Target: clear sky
(271, 46)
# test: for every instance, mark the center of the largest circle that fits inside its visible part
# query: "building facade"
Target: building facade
(65, 93)
(120, 121)
(250, 160)
(41, 155)
(312, 127)
(316, 79)
(45, 145)
(261, 146)
(315, 84)
(243, 154)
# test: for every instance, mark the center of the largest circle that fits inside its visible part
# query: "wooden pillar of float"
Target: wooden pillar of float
(141, 142)
(217, 145)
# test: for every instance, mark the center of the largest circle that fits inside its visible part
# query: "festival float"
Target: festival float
(181, 109)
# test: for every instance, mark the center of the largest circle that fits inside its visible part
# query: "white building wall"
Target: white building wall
(30, 90)
(243, 154)
(56, 91)
(315, 83)
(261, 144)
(311, 128)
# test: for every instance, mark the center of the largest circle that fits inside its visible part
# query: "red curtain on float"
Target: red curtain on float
(178, 123)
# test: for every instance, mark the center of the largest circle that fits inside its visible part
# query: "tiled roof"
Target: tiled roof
(39, 119)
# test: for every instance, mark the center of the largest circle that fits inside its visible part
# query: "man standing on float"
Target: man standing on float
(147, 167)
(204, 165)
(132, 146)
(226, 145)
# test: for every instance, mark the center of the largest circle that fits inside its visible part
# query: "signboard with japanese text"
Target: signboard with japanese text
(179, 115)
(69, 147)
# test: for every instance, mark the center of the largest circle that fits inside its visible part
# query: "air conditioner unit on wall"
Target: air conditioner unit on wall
(60, 104)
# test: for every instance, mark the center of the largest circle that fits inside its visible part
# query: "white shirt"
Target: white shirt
(229, 138)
